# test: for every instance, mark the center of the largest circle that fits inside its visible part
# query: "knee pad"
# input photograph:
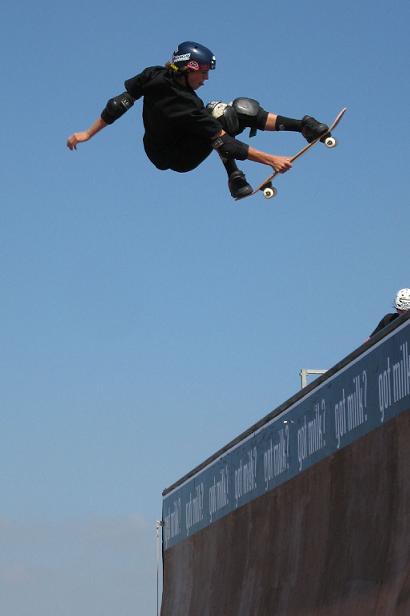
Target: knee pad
(241, 113)
(230, 148)
(250, 114)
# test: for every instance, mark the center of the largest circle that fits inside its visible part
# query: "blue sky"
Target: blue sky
(146, 318)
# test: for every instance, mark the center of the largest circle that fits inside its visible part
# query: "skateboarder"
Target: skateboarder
(180, 132)
(402, 305)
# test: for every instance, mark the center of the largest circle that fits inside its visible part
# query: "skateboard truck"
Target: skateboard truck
(269, 191)
(329, 141)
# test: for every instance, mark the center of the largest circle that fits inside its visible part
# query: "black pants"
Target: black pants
(186, 154)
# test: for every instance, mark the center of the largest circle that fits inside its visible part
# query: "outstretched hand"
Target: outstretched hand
(76, 138)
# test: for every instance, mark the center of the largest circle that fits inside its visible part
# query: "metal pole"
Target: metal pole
(159, 524)
(304, 374)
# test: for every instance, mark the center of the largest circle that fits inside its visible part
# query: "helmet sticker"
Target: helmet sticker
(182, 57)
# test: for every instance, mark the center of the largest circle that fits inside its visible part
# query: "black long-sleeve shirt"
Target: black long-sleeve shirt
(171, 110)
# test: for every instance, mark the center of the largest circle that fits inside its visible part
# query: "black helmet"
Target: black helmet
(190, 56)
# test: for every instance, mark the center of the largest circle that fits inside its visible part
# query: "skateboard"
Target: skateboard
(268, 189)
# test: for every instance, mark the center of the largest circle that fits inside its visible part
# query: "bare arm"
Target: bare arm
(279, 163)
(76, 138)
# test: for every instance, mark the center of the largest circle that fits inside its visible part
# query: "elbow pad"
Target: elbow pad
(116, 107)
(230, 148)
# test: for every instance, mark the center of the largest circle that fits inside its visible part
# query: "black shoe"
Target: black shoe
(312, 129)
(238, 185)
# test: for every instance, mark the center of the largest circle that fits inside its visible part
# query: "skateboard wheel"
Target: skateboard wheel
(270, 192)
(330, 142)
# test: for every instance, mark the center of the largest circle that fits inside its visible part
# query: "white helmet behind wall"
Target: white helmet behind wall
(402, 300)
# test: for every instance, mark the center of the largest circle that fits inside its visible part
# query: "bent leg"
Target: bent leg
(187, 154)
(244, 113)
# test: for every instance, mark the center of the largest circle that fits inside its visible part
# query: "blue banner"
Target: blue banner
(355, 400)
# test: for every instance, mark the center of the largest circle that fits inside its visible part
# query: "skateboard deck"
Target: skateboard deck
(266, 186)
